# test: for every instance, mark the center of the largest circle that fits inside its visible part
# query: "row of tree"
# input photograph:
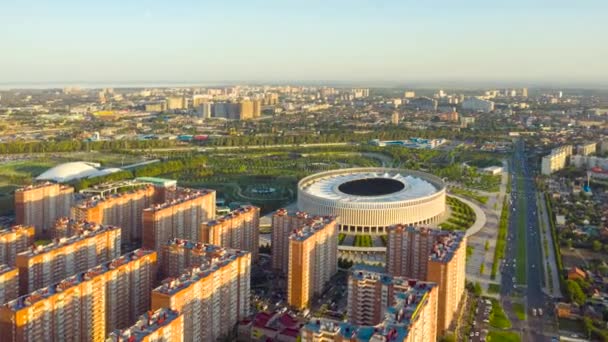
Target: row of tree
(73, 145)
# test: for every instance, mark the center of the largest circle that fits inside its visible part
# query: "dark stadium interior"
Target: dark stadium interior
(371, 187)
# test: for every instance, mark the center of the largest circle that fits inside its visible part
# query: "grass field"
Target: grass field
(503, 336)
(520, 311)
(498, 318)
(494, 288)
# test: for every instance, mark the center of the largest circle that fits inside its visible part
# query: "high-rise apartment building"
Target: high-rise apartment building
(42, 266)
(14, 240)
(40, 205)
(586, 148)
(245, 109)
(83, 307)
(240, 229)
(313, 260)
(477, 105)
(212, 297)
(122, 209)
(204, 110)
(9, 283)
(164, 325)
(431, 255)
(257, 108)
(556, 160)
(271, 99)
(411, 318)
(177, 218)
(176, 103)
(283, 224)
(370, 293)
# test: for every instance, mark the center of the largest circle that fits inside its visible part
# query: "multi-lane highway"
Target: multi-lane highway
(522, 271)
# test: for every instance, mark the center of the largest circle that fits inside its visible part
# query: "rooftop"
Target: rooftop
(44, 293)
(158, 181)
(146, 325)
(233, 214)
(396, 323)
(92, 230)
(15, 229)
(4, 268)
(217, 257)
(37, 186)
(311, 227)
(285, 212)
(184, 196)
(446, 242)
(93, 201)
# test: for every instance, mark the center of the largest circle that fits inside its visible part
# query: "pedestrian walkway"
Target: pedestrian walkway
(486, 234)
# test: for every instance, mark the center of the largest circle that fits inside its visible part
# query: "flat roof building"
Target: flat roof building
(212, 297)
(239, 229)
(177, 218)
(122, 209)
(161, 325)
(41, 204)
(412, 318)
(313, 260)
(431, 255)
(283, 224)
(85, 306)
(42, 266)
(9, 283)
(14, 240)
(556, 160)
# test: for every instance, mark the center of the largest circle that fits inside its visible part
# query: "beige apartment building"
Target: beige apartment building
(283, 224)
(41, 204)
(83, 307)
(431, 255)
(586, 149)
(178, 218)
(212, 297)
(312, 260)
(9, 283)
(123, 209)
(164, 325)
(411, 318)
(14, 240)
(556, 160)
(42, 266)
(240, 229)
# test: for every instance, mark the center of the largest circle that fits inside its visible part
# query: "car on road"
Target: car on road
(533, 311)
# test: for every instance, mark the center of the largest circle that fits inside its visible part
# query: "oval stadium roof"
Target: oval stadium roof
(69, 171)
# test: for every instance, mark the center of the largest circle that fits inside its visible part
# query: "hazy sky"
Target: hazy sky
(519, 41)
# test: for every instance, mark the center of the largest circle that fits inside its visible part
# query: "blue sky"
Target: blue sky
(517, 41)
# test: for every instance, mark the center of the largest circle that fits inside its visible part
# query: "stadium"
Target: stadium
(368, 200)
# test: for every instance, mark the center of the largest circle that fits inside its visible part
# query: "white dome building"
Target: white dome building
(69, 171)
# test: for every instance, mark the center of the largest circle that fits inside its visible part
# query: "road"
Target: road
(522, 270)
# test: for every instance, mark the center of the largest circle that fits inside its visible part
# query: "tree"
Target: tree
(596, 246)
(576, 293)
(588, 324)
(477, 289)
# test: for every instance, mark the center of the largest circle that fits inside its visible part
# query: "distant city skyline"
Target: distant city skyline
(518, 43)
